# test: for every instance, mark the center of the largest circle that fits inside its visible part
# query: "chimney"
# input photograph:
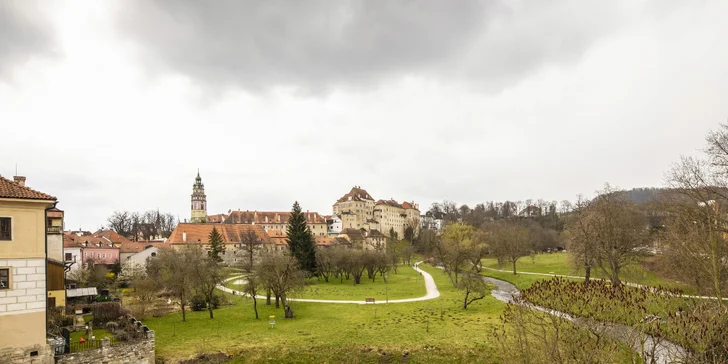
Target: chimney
(184, 237)
(19, 180)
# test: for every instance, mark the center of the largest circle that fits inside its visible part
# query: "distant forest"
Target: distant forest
(642, 195)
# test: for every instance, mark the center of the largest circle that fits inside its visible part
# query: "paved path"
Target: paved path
(430, 286)
(602, 279)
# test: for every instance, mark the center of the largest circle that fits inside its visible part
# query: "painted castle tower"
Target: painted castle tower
(199, 201)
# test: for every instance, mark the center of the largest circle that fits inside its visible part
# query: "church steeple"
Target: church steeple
(199, 201)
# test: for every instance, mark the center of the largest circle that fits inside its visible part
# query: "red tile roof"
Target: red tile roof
(273, 217)
(356, 194)
(11, 189)
(392, 203)
(219, 218)
(113, 236)
(200, 232)
(135, 247)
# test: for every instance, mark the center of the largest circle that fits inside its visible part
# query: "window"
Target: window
(4, 278)
(69, 257)
(5, 226)
(103, 255)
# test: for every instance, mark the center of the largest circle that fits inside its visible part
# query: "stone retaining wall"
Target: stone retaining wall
(141, 352)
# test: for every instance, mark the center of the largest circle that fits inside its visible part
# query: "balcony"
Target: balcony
(54, 230)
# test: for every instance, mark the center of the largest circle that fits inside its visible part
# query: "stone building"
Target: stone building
(277, 220)
(24, 225)
(358, 210)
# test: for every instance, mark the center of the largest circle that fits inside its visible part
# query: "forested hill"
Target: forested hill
(644, 194)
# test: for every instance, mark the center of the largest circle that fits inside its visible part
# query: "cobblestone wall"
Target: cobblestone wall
(141, 352)
(42, 354)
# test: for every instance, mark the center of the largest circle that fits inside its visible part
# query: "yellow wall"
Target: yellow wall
(22, 330)
(60, 296)
(28, 228)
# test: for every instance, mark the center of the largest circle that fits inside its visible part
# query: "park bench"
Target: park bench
(369, 300)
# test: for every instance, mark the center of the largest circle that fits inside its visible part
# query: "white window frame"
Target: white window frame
(12, 229)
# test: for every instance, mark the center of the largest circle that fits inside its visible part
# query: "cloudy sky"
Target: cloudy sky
(114, 105)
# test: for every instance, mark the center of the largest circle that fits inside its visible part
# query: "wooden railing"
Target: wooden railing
(54, 230)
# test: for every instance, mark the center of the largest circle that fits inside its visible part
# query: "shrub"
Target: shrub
(108, 311)
(112, 326)
(197, 303)
(215, 302)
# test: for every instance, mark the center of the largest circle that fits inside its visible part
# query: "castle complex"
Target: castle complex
(355, 211)
(358, 210)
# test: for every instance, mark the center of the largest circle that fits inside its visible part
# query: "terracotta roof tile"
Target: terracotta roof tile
(135, 247)
(273, 217)
(356, 194)
(200, 232)
(11, 189)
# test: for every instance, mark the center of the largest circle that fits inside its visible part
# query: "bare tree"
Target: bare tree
(474, 288)
(619, 231)
(120, 222)
(282, 274)
(509, 241)
(582, 244)
(697, 230)
(453, 249)
(173, 269)
(252, 288)
(205, 274)
(250, 243)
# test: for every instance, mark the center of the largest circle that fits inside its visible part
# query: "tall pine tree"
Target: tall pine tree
(300, 240)
(217, 245)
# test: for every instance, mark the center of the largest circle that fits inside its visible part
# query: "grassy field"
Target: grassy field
(558, 263)
(99, 333)
(437, 330)
(406, 283)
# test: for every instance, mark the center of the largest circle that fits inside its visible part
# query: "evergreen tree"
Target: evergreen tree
(217, 245)
(300, 240)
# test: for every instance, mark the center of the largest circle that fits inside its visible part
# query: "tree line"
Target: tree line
(145, 226)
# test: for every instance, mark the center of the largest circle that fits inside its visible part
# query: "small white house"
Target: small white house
(335, 225)
(136, 263)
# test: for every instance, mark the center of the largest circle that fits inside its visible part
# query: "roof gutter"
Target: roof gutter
(45, 266)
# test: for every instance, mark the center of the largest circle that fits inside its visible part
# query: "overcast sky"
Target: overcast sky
(115, 105)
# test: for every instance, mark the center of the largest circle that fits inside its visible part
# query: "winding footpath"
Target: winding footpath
(658, 351)
(430, 286)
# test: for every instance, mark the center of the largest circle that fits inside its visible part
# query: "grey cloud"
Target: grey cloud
(313, 46)
(23, 34)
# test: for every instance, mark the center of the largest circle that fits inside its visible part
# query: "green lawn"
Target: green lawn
(437, 330)
(407, 283)
(99, 333)
(559, 263)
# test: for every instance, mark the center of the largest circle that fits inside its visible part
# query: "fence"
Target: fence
(91, 344)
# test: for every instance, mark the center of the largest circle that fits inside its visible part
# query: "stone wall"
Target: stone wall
(141, 352)
(41, 354)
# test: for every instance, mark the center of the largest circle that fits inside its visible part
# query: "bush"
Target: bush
(215, 303)
(108, 311)
(197, 303)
